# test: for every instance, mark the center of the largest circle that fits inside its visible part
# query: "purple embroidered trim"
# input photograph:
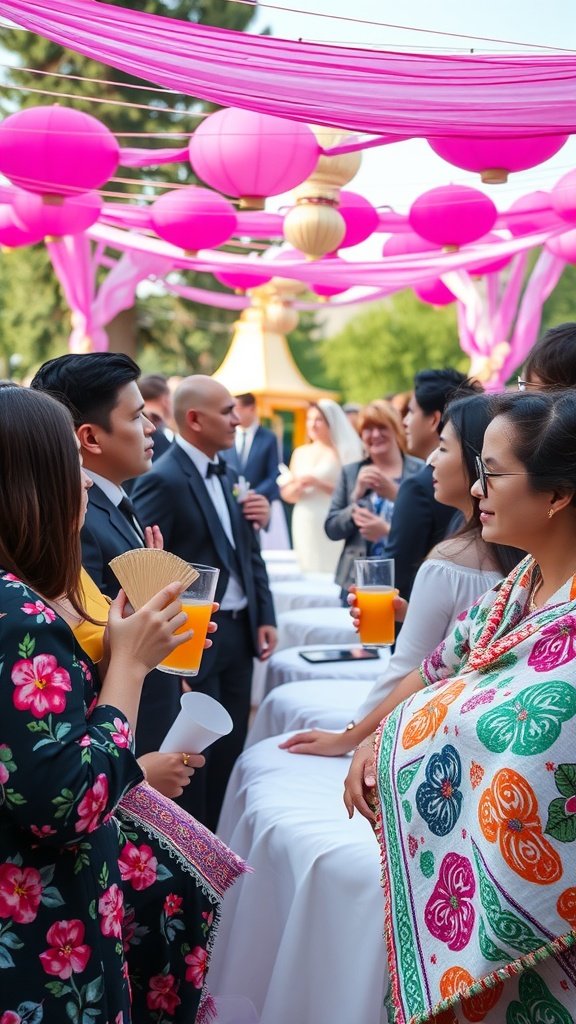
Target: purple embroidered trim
(207, 854)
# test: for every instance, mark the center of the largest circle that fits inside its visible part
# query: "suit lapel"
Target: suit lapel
(97, 497)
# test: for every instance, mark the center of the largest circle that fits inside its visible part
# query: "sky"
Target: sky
(394, 175)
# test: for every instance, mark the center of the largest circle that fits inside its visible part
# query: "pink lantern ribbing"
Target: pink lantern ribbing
(250, 155)
(57, 215)
(495, 158)
(360, 217)
(57, 151)
(563, 196)
(564, 246)
(532, 212)
(452, 215)
(13, 233)
(193, 218)
(241, 281)
(435, 293)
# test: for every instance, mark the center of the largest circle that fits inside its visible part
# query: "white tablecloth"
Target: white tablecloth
(280, 555)
(315, 626)
(308, 592)
(278, 571)
(308, 704)
(301, 937)
(286, 666)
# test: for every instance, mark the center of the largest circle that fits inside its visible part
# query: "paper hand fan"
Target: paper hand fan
(144, 571)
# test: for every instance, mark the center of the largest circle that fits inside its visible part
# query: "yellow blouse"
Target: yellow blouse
(88, 635)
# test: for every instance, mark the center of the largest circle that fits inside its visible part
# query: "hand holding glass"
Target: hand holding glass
(197, 605)
(375, 595)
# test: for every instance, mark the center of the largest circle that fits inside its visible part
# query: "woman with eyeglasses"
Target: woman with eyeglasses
(470, 781)
(457, 571)
(552, 362)
(364, 496)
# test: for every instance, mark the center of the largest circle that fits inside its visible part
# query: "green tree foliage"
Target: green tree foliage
(34, 320)
(381, 349)
(561, 306)
(307, 348)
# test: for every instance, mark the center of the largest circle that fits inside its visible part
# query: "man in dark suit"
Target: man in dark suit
(418, 520)
(254, 454)
(158, 409)
(116, 443)
(188, 492)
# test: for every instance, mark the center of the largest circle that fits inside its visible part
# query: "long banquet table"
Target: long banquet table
(301, 937)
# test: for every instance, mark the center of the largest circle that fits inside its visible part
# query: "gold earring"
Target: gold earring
(551, 512)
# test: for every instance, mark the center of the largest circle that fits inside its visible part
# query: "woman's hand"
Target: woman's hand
(319, 742)
(371, 526)
(144, 638)
(170, 773)
(399, 605)
(360, 783)
(370, 478)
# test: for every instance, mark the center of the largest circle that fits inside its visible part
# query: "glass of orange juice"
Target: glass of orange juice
(374, 595)
(197, 604)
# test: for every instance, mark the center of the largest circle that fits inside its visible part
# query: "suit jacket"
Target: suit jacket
(105, 534)
(261, 468)
(418, 523)
(339, 524)
(174, 495)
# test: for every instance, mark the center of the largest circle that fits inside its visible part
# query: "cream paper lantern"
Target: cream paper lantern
(314, 225)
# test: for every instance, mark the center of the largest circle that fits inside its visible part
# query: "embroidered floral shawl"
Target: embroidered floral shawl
(477, 786)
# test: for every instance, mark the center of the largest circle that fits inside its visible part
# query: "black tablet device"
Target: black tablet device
(340, 654)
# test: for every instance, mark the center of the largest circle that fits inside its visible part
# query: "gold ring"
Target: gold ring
(186, 759)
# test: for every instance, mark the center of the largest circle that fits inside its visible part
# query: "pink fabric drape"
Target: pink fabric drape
(389, 94)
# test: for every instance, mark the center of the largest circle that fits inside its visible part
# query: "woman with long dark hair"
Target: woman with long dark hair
(77, 884)
(470, 779)
(455, 573)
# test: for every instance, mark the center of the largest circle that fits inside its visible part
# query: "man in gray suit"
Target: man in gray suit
(188, 492)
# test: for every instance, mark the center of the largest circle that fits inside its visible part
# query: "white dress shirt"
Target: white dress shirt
(234, 597)
(243, 447)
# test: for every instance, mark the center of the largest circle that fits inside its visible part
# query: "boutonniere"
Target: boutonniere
(241, 489)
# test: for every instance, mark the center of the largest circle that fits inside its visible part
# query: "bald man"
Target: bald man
(188, 493)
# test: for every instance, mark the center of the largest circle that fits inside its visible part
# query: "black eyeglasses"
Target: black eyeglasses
(527, 385)
(484, 474)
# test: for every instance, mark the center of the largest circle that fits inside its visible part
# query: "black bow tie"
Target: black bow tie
(216, 469)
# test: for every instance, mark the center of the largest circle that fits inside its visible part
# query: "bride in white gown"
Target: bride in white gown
(314, 470)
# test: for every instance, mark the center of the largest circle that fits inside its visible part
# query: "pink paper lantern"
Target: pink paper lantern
(489, 266)
(57, 151)
(563, 196)
(406, 242)
(452, 215)
(13, 233)
(435, 293)
(193, 218)
(250, 155)
(326, 291)
(360, 217)
(241, 281)
(494, 158)
(564, 246)
(57, 215)
(531, 213)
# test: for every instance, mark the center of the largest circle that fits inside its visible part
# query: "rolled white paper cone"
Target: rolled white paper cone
(201, 721)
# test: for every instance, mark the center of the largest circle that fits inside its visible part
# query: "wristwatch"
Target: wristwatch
(350, 726)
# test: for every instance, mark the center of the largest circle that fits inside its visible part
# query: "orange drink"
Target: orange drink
(197, 606)
(185, 659)
(376, 615)
(374, 596)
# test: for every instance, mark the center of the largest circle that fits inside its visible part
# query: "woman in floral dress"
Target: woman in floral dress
(66, 751)
(473, 791)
